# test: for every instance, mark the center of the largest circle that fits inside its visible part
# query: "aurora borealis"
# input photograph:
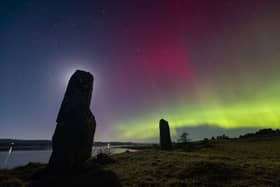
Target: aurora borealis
(192, 62)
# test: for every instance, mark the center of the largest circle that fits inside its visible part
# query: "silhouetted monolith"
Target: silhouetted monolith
(73, 137)
(165, 140)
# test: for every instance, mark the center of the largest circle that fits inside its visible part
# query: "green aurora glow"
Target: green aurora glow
(260, 110)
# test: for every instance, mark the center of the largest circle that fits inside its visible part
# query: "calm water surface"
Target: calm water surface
(20, 158)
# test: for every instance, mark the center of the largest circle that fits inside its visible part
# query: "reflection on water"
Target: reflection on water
(8, 155)
(20, 158)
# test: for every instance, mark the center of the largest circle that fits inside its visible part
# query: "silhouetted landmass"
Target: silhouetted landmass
(219, 163)
(46, 144)
(24, 144)
(262, 133)
(116, 143)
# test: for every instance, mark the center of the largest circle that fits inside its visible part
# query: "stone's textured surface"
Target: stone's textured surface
(165, 140)
(73, 137)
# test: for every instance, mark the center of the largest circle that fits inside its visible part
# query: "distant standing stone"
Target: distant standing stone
(165, 140)
(73, 137)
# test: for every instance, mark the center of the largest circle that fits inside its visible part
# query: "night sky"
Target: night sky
(207, 66)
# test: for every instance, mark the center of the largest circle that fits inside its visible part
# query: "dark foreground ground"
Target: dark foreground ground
(248, 162)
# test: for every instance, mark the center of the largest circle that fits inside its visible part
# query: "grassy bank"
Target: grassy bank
(248, 162)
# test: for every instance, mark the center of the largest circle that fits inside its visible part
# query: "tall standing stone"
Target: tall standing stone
(165, 140)
(73, 137)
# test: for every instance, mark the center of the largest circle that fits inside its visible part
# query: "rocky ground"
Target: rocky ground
(249, 162)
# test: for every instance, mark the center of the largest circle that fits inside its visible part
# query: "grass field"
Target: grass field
(247, 162)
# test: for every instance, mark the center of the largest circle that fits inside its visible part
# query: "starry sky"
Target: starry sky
(207, 66)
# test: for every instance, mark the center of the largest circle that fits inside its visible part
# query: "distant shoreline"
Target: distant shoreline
(34, 145)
